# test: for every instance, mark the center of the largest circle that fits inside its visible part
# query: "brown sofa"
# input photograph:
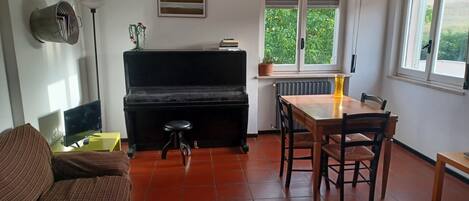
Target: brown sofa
(29, 171)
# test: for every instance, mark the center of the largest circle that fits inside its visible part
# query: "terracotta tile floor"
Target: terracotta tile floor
(225, 174)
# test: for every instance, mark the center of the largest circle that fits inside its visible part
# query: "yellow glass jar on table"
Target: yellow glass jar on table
(100, 142)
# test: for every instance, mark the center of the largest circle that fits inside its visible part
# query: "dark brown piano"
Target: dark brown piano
(207, 88)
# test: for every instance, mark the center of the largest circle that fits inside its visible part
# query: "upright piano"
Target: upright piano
(207, 88)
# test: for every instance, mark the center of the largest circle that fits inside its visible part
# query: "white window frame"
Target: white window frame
(300, 65)
(427, 75)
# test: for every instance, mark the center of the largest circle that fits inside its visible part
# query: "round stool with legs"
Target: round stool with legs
(176, 137)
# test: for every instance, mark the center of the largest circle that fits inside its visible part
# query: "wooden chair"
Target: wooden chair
(296, 139)
(365, 98)
(374, 124)
(358, 136)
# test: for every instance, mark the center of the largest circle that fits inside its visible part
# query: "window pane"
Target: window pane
(418, 34)
(280, 34)
(452, 49)
(321, 36)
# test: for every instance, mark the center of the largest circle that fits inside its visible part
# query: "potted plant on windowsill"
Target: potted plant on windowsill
(265, 67)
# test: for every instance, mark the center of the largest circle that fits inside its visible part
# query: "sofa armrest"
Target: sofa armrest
(90, 164)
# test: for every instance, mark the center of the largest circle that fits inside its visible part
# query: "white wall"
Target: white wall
(225, 19)
(370, 46)
(6, 119)
(430, 120)
(48, 72)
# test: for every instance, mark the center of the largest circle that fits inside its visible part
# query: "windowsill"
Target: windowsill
(297, 75)
(429, 84)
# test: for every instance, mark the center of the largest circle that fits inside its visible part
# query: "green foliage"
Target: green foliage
(453, 42)
(281, 35)
(428, 15)
(320, 36)
(453, 46)
(268, 60)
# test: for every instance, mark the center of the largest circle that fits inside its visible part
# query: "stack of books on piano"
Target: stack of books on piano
(229, 44)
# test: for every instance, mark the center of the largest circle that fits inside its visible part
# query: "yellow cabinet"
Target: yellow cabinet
(101, 142)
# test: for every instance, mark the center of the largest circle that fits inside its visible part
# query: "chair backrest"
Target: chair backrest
(373, 124)
(378, 100)
(286, 116)
(25, 164)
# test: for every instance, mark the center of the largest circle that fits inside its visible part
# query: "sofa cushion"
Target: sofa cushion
(25, 164)
(90, 164)
(115, 188)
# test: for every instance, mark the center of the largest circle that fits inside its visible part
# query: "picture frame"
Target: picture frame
(182, 8)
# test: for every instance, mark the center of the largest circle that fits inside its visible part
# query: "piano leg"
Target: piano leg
(245, 148)
(131, 151)
(244, 130)
(129, 121)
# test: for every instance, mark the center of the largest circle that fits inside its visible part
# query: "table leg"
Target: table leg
(438, 182)
(386, 165)
(316, 170)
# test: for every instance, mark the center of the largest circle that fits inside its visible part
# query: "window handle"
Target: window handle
(354, 63)
(428, 47)
(302, 43)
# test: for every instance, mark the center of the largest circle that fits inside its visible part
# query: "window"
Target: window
(435, 40)
(302, 35)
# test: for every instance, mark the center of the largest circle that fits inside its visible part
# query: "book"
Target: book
(229, 48)
(229, 43)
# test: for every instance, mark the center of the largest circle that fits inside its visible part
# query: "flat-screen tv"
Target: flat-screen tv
(81, 122)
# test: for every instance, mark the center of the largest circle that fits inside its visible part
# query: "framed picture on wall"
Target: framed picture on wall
(182, 8)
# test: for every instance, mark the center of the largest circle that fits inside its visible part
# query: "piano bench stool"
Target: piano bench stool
(176, 137)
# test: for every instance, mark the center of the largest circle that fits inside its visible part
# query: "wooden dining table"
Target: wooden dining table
(322, 115)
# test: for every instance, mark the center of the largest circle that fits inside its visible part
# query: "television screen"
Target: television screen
(81, 122)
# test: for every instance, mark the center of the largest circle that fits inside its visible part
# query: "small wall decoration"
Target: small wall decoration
(182, 8)
(137, 35)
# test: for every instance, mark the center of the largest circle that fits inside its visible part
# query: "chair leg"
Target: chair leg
(373, 172)
(341, 175)
(289, 165)
(282, 156)
(355, 173)
(326, 171)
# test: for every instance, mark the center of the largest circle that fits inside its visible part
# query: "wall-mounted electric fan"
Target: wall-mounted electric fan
(56, 23)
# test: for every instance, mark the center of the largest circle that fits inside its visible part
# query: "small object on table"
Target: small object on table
(229, 44)
(339, 85)
(86, 141)
(457, 160)
(466, 154)
(137, 35)
(176, 137)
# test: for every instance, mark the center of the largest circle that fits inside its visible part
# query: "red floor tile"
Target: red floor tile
(165, 194)
(267, 190)
(140, 185)
(199, 193)
(233, 192)
(199, 180)
(230, 177)
(226, 165)
(261, 176)
(226, 174)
